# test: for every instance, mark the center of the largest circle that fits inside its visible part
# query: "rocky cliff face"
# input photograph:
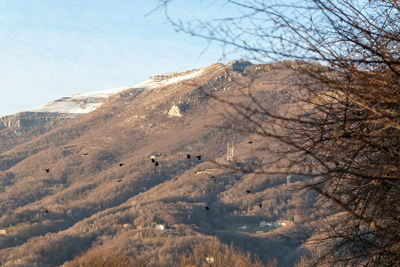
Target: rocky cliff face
(27, 120)
(18, 128)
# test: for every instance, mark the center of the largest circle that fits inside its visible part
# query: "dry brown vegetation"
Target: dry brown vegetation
(105, 259)
(88, 202)
(208, 253)
(345, 118)
(213, 253)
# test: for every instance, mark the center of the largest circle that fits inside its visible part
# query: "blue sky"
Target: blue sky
(54, 48)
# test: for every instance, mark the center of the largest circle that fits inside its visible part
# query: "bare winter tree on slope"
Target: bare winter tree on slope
(345, 56)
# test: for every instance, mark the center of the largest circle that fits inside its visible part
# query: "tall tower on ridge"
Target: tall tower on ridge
(229, 151)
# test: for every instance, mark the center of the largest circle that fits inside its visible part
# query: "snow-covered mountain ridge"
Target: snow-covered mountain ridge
(77, 103)
(85, 103)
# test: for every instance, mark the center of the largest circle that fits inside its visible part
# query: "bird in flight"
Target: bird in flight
(47, 170)
(119, 181)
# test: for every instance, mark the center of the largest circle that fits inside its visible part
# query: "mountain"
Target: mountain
(15, 128)
(102, 171)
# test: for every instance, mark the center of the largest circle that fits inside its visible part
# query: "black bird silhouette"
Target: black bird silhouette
(207, 208)
(198, 157)
(156, 163)
(260, 205)
(152, 160)
(119, 181)
(47, 170)
(121, 164)
(188, 156)
(250, 142)
(248, 191)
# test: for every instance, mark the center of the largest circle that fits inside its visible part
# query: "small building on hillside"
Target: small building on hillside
(210, 260)
(159, 227)
(243, 227)
(3, 231)
(274, 224)
(283, 222)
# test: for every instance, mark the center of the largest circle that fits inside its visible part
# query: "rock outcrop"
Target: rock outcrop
(28, 120)
(174, 111)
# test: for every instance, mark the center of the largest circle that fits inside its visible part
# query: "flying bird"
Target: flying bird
(47, 170)
(188, 156)
(119, 181)
(198, 157)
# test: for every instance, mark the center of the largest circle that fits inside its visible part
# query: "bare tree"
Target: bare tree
(345, 57)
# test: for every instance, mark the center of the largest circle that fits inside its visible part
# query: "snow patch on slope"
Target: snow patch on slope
(104, 93)
(78, 103)
(163, 80)
(85, 103)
